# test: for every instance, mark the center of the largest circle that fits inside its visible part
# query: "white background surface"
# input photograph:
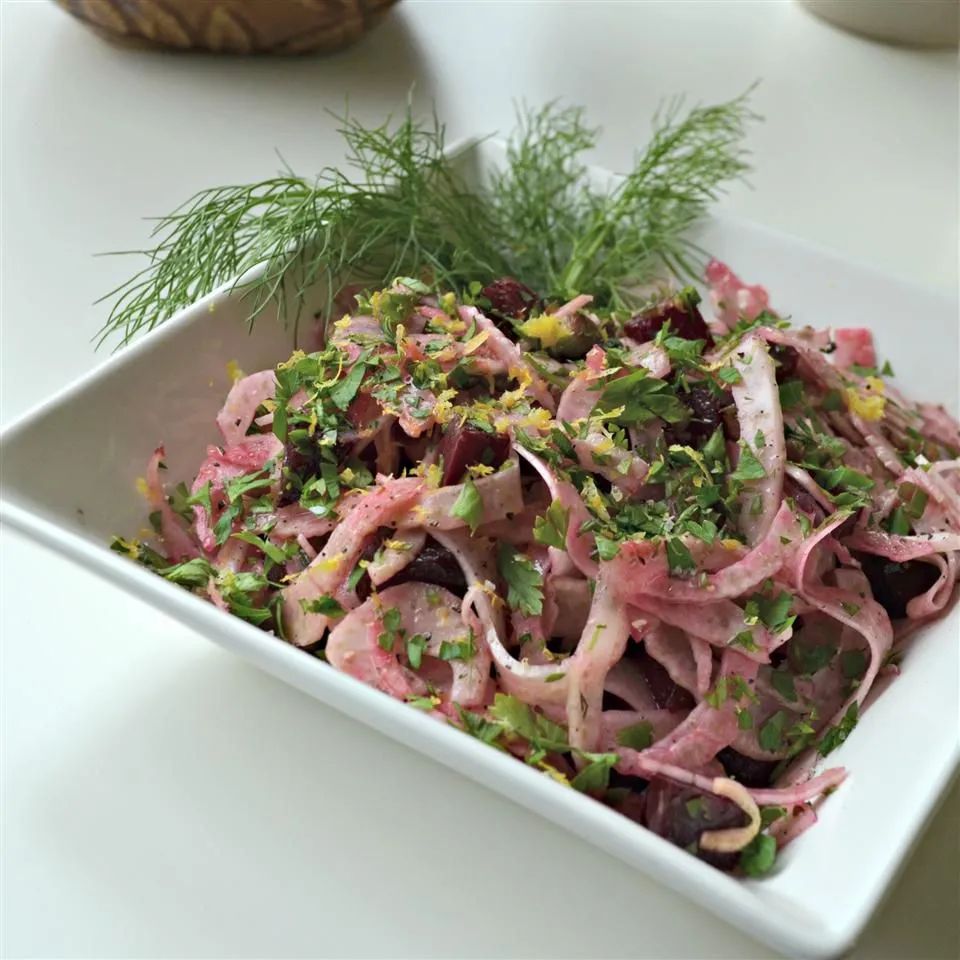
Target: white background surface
(162, 799)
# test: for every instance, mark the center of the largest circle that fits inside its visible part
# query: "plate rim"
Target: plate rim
(740, 902)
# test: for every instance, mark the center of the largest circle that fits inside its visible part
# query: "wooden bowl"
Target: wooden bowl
(231, 26)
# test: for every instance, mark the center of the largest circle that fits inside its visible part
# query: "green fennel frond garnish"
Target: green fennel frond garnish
(400, 206)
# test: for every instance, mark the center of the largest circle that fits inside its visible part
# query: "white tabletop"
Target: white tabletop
(163, 799)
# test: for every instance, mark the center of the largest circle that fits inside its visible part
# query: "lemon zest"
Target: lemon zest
(474, 343)
(480, 470)
(548, 328)
(870, 404)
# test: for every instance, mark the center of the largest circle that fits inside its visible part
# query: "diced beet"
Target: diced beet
(612, 702)
(666, 694)
(683, 313)
(746, 770)
(626, 780)
(804, 500)
(433, 564)
(463, 445)
(510, 299)
(786, 358)
(706, 414)
(895, 584)
(731, 423)
(364, 586)
(298, 466)
(682, 815)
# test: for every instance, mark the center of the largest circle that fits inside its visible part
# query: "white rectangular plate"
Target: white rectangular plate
(69, 471)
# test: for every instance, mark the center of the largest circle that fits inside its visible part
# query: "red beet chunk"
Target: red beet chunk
(683, 815)
(894, 584)
(433, 564)
(683, 313)
(666, 694)
(510, 299)
(707, 412)
(786, 359)
(804, 500)
(746, 770)
(463, 445)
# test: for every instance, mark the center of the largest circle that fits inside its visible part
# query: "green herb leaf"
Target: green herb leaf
(770, 736)
(551, 528)
(637, 736)
(607, 549)
(791, 394)
(759, 855)
(271, 550)
(521, 720)
(595, 776)
(748, 466)
(809, 657)
(326, 605)
(838, 734)
(191, 573)
(480, 728)
(845, 478)
(356, 575)
(679, 558)
(468, 506)
(464, 649)
(223, 526)
(642, 398)
(201, 499)
(853, 664)
(343, 392)
(416, 645)
(745, 640)
(774, 611)
(524, 581)
(783, 683)
(898, 522)
(770, 815)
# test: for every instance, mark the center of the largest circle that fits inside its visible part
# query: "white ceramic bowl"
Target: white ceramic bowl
(69, 471)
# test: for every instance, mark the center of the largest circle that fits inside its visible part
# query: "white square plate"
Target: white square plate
(69, 471)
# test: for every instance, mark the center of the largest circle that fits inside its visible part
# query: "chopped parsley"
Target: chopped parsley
(524, 581)
(595, 775)
(464, 649)
(838, 734)
(468, 506)
(791, 394)
(551, 528)
(392, 629)
(759, 855)
(748, 466)
(770, 734)
(773, 611)
(640, 398)
(416, 645)
(326, 605)
(637, 736)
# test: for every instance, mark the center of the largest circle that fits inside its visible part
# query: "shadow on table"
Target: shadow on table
(382, 67)
(238, 811)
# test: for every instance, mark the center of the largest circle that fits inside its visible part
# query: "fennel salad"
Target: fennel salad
(664, 549)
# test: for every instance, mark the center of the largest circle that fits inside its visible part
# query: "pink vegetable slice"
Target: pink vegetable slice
(383, 505)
